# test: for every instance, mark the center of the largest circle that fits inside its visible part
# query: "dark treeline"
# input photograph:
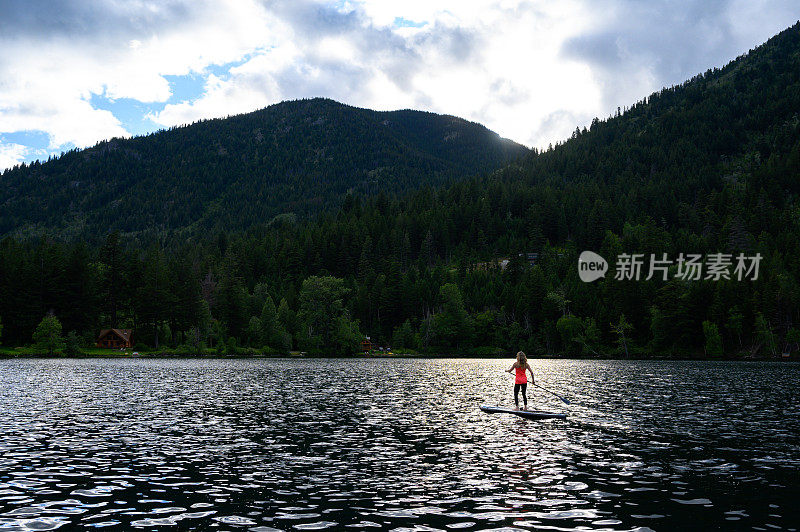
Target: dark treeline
(413, 273)
(711, 166)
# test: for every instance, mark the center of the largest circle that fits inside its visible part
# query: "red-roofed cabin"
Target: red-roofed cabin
(115, 338)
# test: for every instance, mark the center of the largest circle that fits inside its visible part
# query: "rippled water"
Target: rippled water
(398, 444)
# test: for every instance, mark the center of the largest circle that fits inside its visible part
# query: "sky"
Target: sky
(75, 72)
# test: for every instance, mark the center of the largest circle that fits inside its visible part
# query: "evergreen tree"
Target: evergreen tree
(72, 344)
(47, 336)
(713, 340)
(621, 329)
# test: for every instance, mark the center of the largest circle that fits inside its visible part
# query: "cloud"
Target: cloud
(530, 70)
(11, 154)
(55, 56)
(99, 20)
(494, 63)
(636, 48)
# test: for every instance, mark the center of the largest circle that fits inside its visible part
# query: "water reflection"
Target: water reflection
(310, 445)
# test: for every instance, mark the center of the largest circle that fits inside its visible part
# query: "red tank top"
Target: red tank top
(521, 377)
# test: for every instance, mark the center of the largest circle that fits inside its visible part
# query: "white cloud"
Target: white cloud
(48, 77)
(494, 63)
(530, 70)
(12, 154)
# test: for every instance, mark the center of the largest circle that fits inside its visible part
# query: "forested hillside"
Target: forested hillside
(711, 166)
(294, 158)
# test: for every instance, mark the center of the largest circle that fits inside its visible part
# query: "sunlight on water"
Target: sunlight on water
(323, 444)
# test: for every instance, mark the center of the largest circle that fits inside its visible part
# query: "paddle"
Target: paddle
(554, 393)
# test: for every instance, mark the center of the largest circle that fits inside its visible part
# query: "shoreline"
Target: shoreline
(200, 356)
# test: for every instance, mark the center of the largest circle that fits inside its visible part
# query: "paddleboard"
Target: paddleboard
(528, 414)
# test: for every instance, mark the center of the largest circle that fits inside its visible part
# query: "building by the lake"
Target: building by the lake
(115, 338)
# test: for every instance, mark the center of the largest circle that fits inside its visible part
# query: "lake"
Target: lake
(290, 444)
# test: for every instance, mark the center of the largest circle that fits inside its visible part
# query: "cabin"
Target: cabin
(366, 345)
(115, 338)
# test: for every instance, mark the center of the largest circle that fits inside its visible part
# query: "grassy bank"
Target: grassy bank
(247, 352)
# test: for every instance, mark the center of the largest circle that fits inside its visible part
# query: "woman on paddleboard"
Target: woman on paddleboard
(520, 367)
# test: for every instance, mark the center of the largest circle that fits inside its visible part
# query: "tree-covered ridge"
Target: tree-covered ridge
(711, 166)
(296, 157)
(717, 129)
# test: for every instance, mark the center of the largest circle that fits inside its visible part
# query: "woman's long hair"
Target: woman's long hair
(521, 359)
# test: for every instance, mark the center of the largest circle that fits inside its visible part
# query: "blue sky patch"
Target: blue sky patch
(34, 139)
(131, 113)
(400, 22)
(186, 88)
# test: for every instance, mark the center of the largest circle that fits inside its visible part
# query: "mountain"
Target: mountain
(293, 157)
(711, 166)
(731, 130)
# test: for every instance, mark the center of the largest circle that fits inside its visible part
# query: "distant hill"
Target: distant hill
(293, 157)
